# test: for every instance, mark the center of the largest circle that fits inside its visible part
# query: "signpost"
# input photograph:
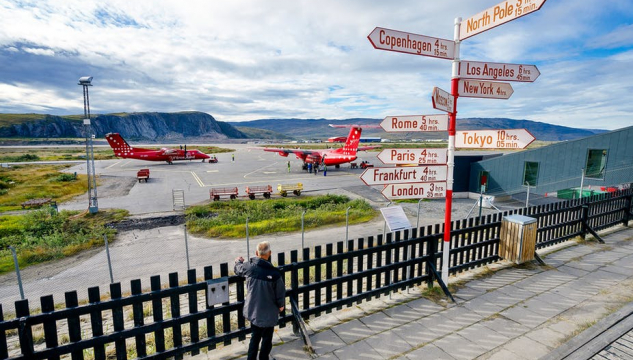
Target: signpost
(499, 14)
(403, 175)
(497, 71)
(485, 89)
(394, 40)
(409, 123)
(494, 139)
(442, 100)
(413, 156)
(432, 190)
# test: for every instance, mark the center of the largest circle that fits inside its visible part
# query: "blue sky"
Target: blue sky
(243, 60)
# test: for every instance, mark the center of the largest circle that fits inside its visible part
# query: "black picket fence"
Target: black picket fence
(174, 320)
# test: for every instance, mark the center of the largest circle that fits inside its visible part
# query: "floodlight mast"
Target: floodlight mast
(93, 205)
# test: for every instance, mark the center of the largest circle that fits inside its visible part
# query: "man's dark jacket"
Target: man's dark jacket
(266, 291)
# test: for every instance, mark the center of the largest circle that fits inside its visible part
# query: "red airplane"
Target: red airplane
(334, 157)
(123, 150)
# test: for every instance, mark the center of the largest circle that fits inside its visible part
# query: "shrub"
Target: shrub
(65, 177)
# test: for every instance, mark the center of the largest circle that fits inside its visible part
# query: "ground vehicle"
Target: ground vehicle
(123, 150)
(265, 190)
(142, 175)
(285, 188)
(365, 165)
(215, 193)
(213, 159)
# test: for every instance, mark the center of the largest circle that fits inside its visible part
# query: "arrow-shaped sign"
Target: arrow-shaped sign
(409, 123)
(497, 71)
(497, 15)
(413, 156)
(432, 190)
(442, 100)
(403, 175)
(485, 89)
(493, 139)
(394, 40)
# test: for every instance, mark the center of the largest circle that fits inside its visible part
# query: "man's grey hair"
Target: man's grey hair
(263, 248)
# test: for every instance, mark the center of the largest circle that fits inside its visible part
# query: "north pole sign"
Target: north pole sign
(500, 14)
(493, 139)
(497, 71)
(403, 175)
(413, 156)
(432, 190)
(394, 40)
(485, 89)
(412, 123)
(442, 100)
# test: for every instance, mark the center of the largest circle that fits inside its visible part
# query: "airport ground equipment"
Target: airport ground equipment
(265, 190)
(142, 175)
(285, 188)
(215, 193)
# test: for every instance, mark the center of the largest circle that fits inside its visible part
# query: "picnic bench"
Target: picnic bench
(265, 190)
(215, 193)
(37, 202)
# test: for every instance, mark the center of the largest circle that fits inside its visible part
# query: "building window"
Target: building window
(596, 163)
(530, 173)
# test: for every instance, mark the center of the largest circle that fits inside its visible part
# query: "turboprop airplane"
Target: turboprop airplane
(123, 150)
(329, 157)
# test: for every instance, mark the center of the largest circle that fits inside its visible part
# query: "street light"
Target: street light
(93, 206)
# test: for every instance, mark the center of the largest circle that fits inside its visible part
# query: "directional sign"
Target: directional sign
(442, 100)
(485, 89)
(497, 15)
(432, 190)
(409, 123)
(497, 71)
(493, 139)
(413, 156)
(394, 40)
(403, 175)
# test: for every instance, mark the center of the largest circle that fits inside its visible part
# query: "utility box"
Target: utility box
(517, 241)
(217, 291)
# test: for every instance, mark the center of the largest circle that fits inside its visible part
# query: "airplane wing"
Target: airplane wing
(286, 152)
(365, 148)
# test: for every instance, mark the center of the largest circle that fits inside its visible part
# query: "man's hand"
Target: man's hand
(281, 309)
(239, 259)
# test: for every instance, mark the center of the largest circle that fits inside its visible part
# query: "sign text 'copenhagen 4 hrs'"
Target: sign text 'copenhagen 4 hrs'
(432, 190)
(412, 123)
(402, 175)
(394, 40)
(497, 71)
(493, 139)
(485, 89)
(413, 156)
(497, 15)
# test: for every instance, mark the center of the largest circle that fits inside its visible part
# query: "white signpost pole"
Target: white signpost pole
(451, 156)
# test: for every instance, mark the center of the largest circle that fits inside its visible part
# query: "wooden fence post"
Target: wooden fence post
(25, 333)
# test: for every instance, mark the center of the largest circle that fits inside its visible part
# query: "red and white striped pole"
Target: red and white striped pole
(451, 156)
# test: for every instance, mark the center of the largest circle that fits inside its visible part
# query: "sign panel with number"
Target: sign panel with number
(442, 100)
(394, 40)
(497, 71)
(432, 190)
(409, 123)
(413, 156)
(485, 89)
(493, 139)
(499, 14)
(402, 175)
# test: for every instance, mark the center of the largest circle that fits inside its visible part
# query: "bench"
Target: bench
(37, 202)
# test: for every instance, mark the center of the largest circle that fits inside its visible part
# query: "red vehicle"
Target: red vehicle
(213, 159)
(329, 157)
(215, 193)
(142, 175)
(365, 165)
(123, 150)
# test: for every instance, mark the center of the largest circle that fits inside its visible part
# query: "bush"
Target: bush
(65, 177)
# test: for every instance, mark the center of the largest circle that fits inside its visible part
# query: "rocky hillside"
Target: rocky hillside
(147, 126)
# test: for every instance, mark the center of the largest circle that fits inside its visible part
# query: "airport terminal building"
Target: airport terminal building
(598, 163)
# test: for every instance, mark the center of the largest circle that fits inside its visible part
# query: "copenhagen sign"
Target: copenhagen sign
(493, 139)
(499, 14)
(485, 89)
(442, 100)
(497, 71)
(432, 190)
(399, 41)
(402, 175)
(413, 156)
(421, 123)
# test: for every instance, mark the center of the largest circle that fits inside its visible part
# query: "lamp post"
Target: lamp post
(93, 205)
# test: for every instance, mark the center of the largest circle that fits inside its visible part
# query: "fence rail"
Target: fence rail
(174, 320)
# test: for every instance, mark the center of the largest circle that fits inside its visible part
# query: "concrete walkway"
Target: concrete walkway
(502, 311)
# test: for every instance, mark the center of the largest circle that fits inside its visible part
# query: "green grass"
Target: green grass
(228, 218)
(44, 235)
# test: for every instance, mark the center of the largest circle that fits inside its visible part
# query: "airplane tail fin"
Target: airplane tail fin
(351, 144)
(118, 144)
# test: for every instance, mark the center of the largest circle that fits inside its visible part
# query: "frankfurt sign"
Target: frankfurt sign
(402, 175)
(413, 156)
(497, 71)
(497, 15)
(409, 123)
(442, 100)
(394, 40)
(432, 190)
(493, 139)
(485, 89)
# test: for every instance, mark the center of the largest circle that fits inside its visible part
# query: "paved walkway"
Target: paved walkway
(502, 312)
